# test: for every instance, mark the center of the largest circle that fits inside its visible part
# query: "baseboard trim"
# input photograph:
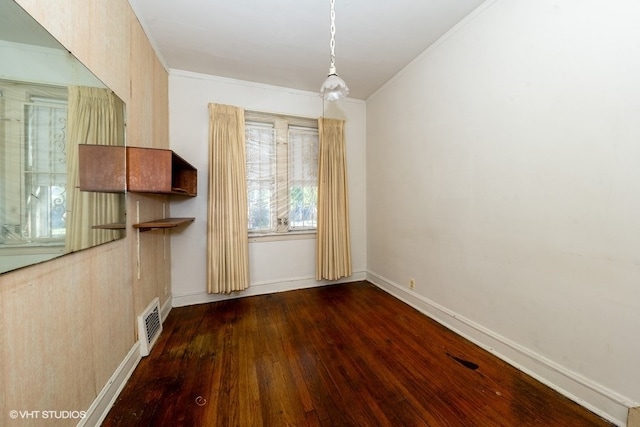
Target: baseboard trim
(598, 399)
(183, 300)
(109, 393)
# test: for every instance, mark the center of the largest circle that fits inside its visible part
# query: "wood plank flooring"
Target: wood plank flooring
(341, 355)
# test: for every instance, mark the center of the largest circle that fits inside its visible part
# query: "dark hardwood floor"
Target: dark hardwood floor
(342, 355)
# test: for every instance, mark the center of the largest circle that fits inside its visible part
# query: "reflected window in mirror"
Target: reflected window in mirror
(43, 214)
(33, 166)
(45, 170)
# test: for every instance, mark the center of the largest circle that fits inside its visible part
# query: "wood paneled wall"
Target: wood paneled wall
(66, 325)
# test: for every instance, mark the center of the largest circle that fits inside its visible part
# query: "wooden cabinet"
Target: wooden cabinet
(102, 168)
(107, 168)
(152, 170)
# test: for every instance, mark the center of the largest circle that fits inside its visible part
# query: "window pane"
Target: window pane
(260, 139)
(303, 178)
(45, 172)
(46, 212)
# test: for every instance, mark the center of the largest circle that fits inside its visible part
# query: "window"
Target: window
(282, 173)
(45, 170)
(33, 165)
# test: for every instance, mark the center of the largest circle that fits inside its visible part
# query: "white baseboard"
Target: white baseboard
(598, 399)
(202, 297)
(109, 393)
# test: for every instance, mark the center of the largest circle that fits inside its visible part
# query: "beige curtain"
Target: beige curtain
(227, 226)
(95, 116)
(333, 246)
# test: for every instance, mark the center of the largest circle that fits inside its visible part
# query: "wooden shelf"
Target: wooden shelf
(159, 224)
(136, 169)
(114, 226)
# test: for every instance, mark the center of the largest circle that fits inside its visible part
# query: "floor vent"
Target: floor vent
(149, 327)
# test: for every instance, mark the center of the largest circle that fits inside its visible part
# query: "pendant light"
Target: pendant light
(333, 88)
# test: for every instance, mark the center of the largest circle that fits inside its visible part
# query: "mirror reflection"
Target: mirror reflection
(49, 104)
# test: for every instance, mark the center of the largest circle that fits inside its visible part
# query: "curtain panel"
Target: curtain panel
(333, 245)
(94, 116)
(227, 221)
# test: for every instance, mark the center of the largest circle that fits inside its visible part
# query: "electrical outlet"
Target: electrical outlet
(412, 284)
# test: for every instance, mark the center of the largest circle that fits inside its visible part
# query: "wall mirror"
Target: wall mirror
(49, 104)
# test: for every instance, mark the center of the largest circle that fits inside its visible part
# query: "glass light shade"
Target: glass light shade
(334, 88)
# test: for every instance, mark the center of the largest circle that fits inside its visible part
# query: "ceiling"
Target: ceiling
(286, 42)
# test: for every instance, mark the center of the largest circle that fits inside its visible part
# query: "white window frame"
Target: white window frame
(280, 228)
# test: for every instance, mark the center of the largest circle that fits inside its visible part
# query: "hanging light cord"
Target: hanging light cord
(333, 88)
(332, 44)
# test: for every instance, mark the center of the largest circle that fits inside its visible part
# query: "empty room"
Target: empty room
(337, 212)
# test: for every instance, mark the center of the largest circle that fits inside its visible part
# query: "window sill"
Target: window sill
(272, 237)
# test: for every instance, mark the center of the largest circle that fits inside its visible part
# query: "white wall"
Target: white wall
(503, 175)
(275, 265)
